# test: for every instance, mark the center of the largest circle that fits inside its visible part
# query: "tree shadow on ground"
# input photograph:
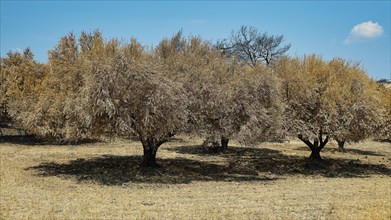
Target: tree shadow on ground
(263, 160)
(236, 164)
(21, 139)
(346, 150)
(383, 140)
(35, 140)
(118, 170)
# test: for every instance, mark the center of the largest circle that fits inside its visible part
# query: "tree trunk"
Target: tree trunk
(224, 143)
(341, 145)
(315, 147)
(149, 159)
(150, 146)
(315, 154)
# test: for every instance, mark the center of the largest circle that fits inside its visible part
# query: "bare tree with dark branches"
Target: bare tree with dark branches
(250, 45)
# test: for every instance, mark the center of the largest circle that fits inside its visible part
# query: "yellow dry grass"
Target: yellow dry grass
(271, 181)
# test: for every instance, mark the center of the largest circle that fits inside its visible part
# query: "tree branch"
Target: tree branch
(306, 141)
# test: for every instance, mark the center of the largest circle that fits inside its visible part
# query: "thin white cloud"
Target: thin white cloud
(364, 31)
(367, 30)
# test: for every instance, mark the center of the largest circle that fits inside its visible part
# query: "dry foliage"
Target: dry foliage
(383, 130)
(21, 79)
(96, 88)
(226, 100)
(328, 100)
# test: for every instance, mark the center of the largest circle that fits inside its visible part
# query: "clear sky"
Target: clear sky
(354, 30)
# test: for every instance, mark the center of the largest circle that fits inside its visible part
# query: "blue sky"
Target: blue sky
(354, 30)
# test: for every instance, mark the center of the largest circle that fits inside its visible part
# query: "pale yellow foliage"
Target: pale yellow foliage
(335, 98)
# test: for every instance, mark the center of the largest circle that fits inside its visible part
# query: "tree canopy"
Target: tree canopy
(91, 87)
(251, 45)
(326, 100)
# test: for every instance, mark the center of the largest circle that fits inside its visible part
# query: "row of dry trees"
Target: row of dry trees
(242, 88)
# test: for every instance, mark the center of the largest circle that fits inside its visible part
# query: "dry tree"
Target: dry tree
(327, 100)
(21, 78)
(226, 99)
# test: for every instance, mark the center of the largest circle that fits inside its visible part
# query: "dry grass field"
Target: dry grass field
(270, 181)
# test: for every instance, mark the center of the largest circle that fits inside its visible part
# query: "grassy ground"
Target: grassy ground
(105, 181)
